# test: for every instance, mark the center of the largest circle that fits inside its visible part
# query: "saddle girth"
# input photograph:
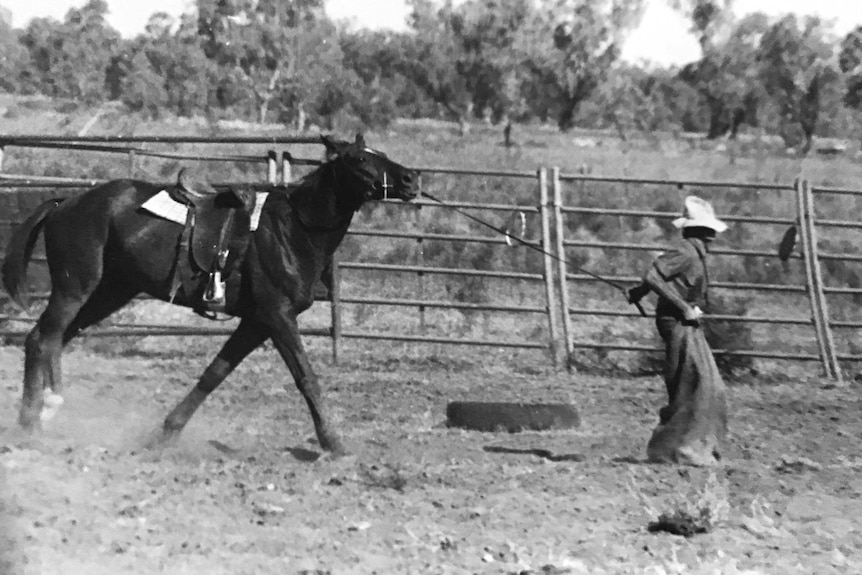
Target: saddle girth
(212, 244)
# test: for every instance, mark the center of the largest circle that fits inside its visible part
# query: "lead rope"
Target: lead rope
(534, 247)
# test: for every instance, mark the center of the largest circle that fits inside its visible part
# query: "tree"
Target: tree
(796, 69)
(381, 91)
(13, 57)
(162, 70)
(492, 35)
(269, 47)
(646, 101)
(709, 18)
(573, 46)
(434, 58)
(850, 64)
(726, 74)
(143, 90)
(71, 59)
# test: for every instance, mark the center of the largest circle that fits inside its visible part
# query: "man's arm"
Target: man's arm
(657, 283)
(637, 293)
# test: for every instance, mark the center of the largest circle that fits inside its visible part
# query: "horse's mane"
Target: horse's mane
(304, 197)
(313, 178)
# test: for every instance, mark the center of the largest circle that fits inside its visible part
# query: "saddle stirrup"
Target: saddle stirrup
(214, 294)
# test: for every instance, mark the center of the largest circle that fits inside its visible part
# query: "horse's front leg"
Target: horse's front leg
(247, 337)
(285, 336)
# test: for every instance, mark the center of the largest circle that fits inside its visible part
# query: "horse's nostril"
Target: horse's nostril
(406, 180)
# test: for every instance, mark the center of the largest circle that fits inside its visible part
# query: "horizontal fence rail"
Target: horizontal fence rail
(424, 272)
(337, 331)
(813, 286)
(557, 200)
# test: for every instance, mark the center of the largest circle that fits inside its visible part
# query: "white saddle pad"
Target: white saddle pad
(164, 206)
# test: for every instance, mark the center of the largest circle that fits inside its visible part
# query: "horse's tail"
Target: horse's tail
(20, 249)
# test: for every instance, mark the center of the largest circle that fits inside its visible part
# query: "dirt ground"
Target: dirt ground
(244, 490)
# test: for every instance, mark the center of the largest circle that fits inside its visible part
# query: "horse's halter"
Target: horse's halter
(386, 185)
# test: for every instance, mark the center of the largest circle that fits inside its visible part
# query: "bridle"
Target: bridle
(386, 185)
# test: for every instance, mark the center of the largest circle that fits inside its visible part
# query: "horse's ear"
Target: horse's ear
(360, 140)
(329, 144)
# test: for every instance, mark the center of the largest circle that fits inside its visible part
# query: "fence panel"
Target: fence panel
(837, 249)
(485, 281)
(469, 299)
(450, 257)
(22, 193)
(604, 217)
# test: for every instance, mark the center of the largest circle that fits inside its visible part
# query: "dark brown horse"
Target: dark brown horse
(103, 250)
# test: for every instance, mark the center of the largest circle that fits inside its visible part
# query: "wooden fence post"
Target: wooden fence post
(285, 167)
(549, 267)
(335, 307)
(834, 367)
(814, 279)
(271, 167)
(562, 268)
(132, 163)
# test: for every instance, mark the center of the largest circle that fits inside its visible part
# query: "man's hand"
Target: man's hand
(692, 315)
(637, 293)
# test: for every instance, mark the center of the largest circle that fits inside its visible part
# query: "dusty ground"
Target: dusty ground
(243, 492)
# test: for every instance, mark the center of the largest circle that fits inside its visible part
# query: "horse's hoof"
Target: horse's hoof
(163, 437)
(343, 457)
(50, 406)
(334, 447)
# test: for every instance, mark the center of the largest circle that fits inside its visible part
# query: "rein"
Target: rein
(533, 247)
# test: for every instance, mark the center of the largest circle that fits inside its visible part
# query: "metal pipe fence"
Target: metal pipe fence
(804, 221)
(553, 205)
(337, 301)
(424, 272)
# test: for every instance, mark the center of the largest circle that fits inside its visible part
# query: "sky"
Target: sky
(662, 37)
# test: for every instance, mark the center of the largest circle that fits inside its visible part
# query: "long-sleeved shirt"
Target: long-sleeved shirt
(683, 267)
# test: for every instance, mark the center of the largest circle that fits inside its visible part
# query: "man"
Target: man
(693, 425)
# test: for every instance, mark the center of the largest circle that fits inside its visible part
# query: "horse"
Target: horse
(103, 250)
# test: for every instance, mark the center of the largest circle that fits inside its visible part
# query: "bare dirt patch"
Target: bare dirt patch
(245, 492)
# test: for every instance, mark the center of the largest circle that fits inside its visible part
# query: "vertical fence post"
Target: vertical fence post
(832, 364)
(809, 252)
(131, 163)
(549, 268)
(285, 167)
(271, 167)
(2, 153)
(420, 278)
(420, 262)
(335, 307)
(562, 268)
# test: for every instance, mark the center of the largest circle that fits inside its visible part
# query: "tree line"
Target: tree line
(550, 61)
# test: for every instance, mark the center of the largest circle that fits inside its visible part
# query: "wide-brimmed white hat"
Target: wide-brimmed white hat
(699, 213)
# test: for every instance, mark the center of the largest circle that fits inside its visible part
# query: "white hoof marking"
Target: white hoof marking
(51, 403)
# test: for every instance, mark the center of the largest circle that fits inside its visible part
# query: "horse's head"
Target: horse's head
(368, 172)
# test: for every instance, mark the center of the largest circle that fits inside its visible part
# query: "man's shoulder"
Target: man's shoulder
(682, 247)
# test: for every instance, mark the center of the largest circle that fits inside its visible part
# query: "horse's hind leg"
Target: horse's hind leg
(247, 337)
(102, 303)
(42, 350)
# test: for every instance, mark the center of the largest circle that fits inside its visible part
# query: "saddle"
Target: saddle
(213, 242)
